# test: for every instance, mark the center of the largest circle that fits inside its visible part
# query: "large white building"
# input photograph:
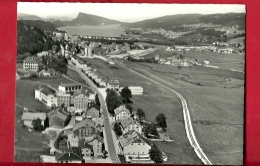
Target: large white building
(136, 90)
(31, 63)
(134, 147)
(46, 95)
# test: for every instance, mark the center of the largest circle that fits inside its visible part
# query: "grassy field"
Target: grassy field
(216, 106)
(154, 101)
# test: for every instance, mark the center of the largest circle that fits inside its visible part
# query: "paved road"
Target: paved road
(186, 114)
(110, 143)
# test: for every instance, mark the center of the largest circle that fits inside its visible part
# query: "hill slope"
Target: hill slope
(23, 16)
(167, 22)
(86, 19)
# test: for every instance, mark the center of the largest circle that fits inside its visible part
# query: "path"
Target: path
(108, 135)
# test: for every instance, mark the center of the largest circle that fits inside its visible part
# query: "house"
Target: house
(206, 62)
(157, 57)
(46, 95)
(93, 111)
(113, 83)
(122, 112)
(32, 63)
(80, 101)
(134, 147)
(130, 124)
(92, 148)
(176, 62)
(85, 128)
(43, 53)
(136, 90)
(58, 118)
(73, 155)
(167, 63)
(64, 99)
(28, 117)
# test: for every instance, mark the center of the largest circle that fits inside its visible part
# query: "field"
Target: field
(222, 60)
(107, 31)
(154, 101)
(216, 105)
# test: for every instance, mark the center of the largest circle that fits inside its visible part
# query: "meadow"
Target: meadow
(216, 106)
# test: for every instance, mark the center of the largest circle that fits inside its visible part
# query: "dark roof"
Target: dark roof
(94, 106)
(85, 122)
(70, 84)
(83, 144)
(46, 90)
(132, 137)
(57, 113)
(73, 155)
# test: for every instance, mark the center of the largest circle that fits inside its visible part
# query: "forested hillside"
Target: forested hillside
(31, 40)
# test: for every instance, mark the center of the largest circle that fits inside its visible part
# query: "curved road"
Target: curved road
(187, 120)
(110, 143)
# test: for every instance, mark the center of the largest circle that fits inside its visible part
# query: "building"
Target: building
(122, 112)
(85, 128)
(88, 52)
(130, 124)
(93, 111)
(64, 99)
(46, 95)
(80, 101)
(135, 148)
(73, 155)
(206, 62)
(32, 63)
(70, 87)
(136, 90)
(157, 57)
(113, 83)
(92, 148)
(28, 117)
(58, 118)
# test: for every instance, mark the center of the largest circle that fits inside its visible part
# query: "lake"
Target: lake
(106, 31)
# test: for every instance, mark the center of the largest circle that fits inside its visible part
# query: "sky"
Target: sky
(123, 12)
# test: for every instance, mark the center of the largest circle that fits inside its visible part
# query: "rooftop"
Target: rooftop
(69, 84)
(132, 137)
(85, 122)
(33, 116)
(46, 90)
(121, 109)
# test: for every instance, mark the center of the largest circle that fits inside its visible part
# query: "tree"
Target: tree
(113, 101)
(150, 130)
(46, 123)
(126, 94)
(141, 115)
(37, 125)
(155, 154)
(129, 107)
(118, 129)
(97, 100)
(161, 120)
